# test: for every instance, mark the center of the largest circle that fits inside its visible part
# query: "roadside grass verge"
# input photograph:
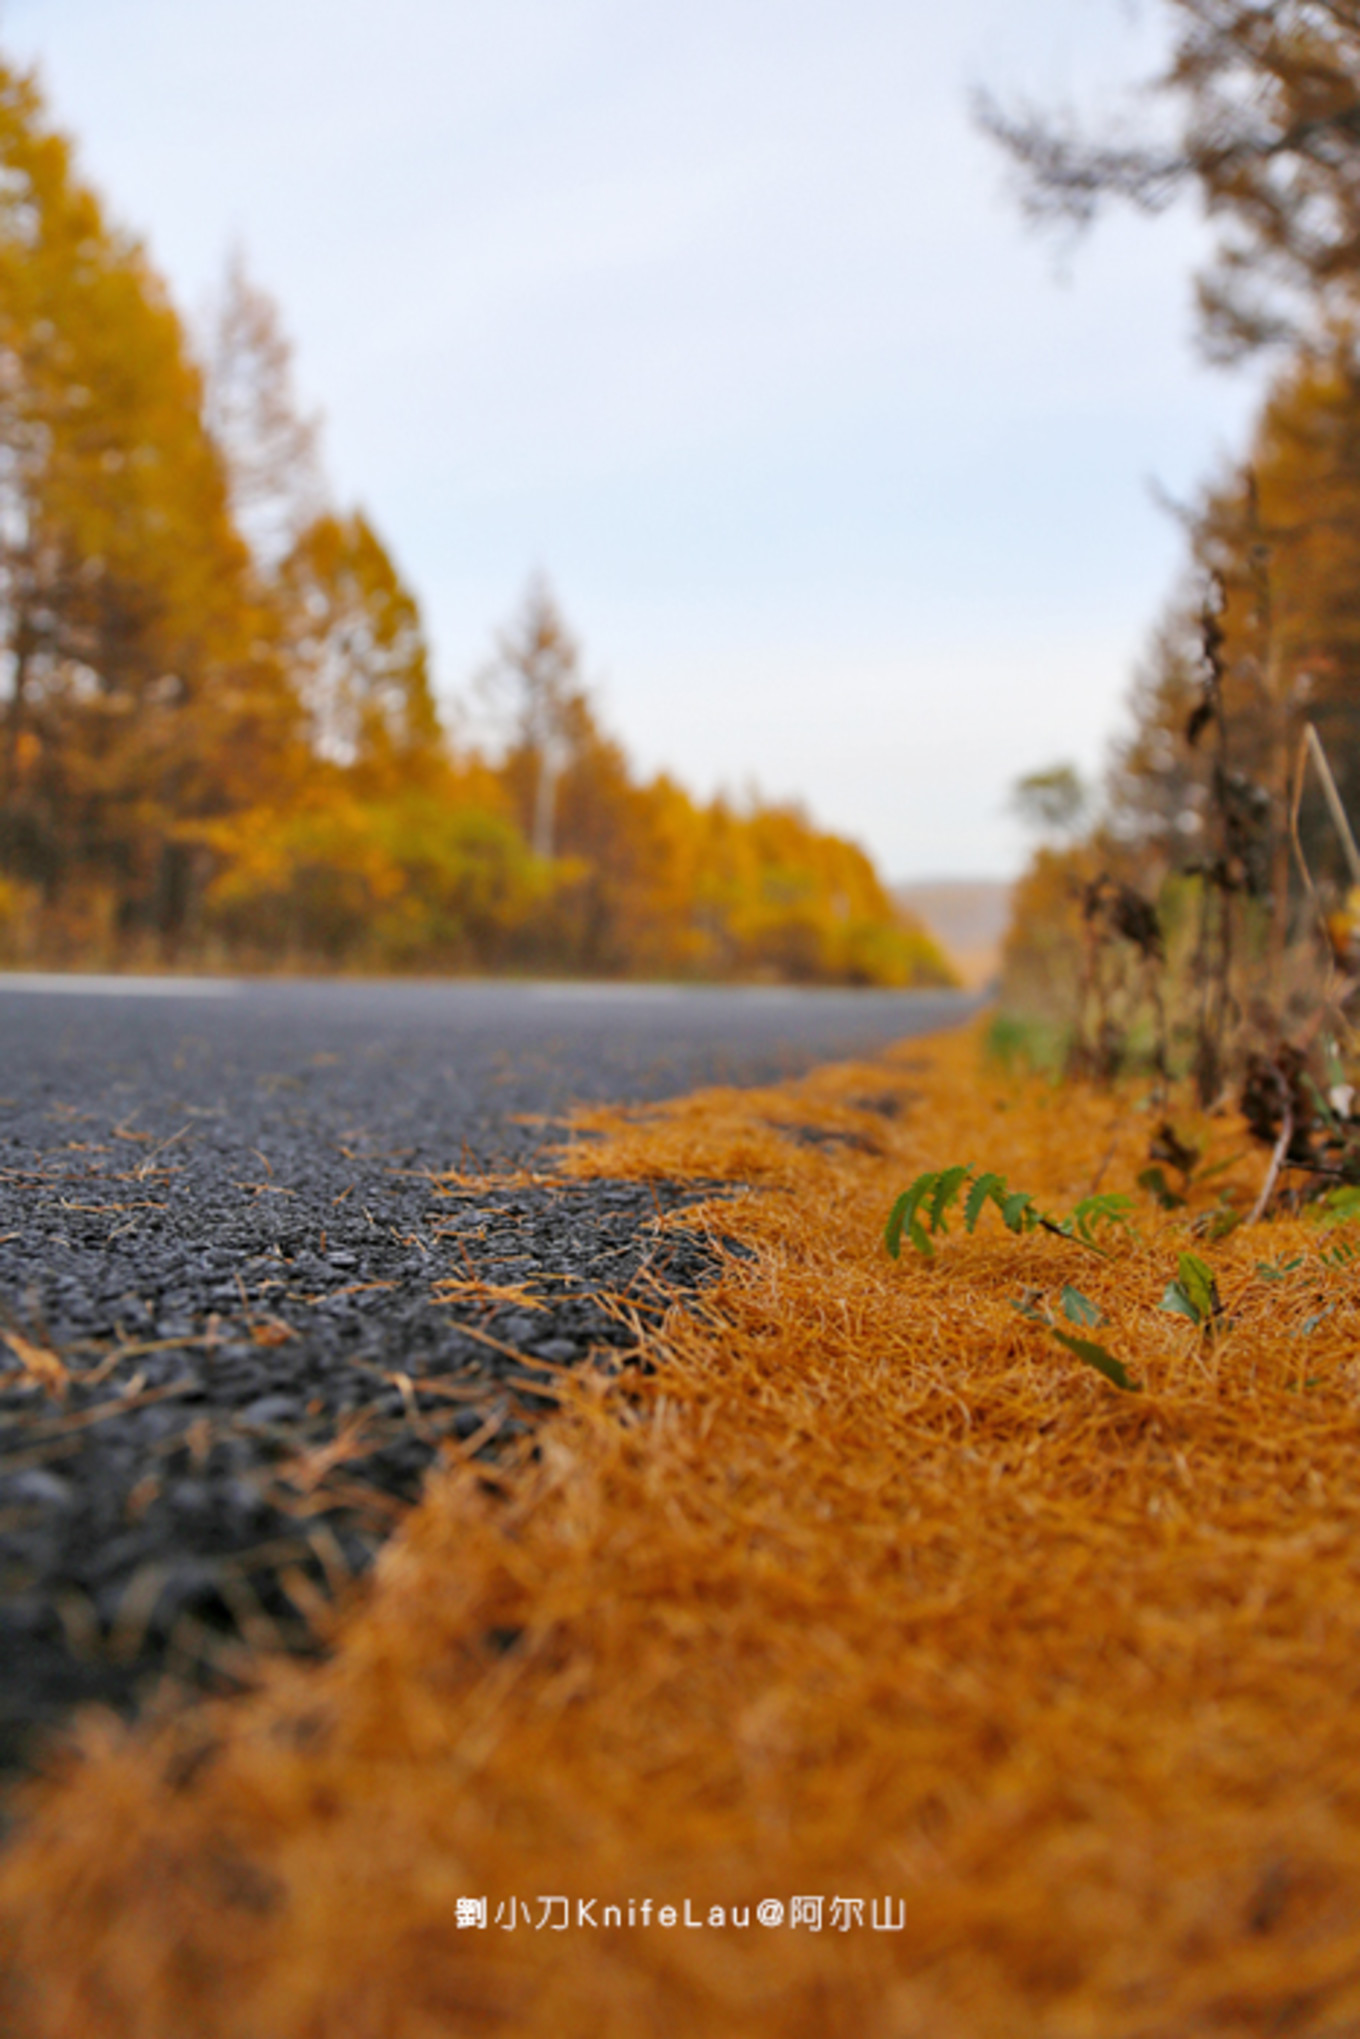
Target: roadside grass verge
(866, 1588)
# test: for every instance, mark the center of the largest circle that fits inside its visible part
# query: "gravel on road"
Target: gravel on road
(267, 1249)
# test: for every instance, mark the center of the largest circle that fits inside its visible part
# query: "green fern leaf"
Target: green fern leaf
(988, 1188)
(1097, 1210)
(947, 1186)
(903, 1218)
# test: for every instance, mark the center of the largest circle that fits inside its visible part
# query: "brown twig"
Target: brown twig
(1276, 1164)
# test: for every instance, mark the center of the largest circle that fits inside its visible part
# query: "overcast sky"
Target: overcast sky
(717, 312)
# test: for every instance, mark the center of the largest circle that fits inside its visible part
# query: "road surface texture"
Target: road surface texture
(241, 1311)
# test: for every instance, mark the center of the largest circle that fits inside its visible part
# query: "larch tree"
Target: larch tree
(126, 622)
(1263, 100)
(535, 692)
(270, 449)
(1256, 113)
(356, 649)
(217, 723)
(1279, 542)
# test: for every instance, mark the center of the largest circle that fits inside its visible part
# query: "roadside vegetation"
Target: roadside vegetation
(866, 1586)
(220, 742)
(1198, 918)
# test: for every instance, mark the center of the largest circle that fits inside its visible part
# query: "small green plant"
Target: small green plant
(924, 1209)
(1342, 1252)
(1194, 1294)
(1332, 1260)
(1339, 1206)
(1018, 1042)
(1276, 1270)
(1079, 1309)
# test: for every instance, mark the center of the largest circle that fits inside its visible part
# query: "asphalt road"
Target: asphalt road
(428, 1068)
(241, 1316)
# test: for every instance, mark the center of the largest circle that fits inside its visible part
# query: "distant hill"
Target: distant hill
(967, 917)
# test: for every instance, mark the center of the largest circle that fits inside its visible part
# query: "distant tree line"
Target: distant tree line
(220, 740)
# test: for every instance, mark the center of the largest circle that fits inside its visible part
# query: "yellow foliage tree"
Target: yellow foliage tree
(221, 734)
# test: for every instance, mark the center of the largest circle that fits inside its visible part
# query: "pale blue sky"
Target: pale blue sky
(715, 311)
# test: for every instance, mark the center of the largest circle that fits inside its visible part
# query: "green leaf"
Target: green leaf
(1178, 1303)
(1194, 1293)
(1017, 1211)
(1098, 1210)
(1196, 1278)
(1079, 1309)
(903, 1218)
(1339, 1205)
(1104, 1362)
(987, 1188)
(947, 1186)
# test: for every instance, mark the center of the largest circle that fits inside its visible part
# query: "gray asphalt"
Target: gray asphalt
(428, 1068)
(225, 1245)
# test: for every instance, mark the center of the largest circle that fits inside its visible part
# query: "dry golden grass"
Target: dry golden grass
(867, 1589)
